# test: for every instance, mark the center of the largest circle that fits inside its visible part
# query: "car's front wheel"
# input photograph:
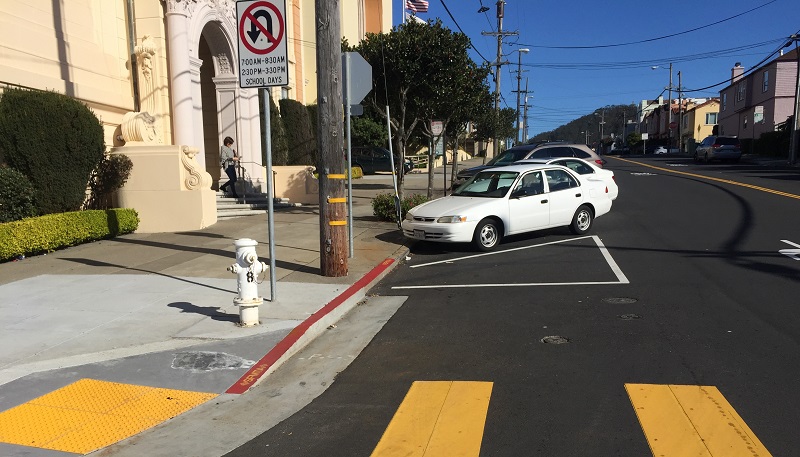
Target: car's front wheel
(487, 234)
(582, 220)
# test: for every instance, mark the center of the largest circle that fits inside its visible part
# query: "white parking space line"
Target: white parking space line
(498, 252)
(621, 278)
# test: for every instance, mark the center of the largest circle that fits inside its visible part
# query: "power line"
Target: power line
(650, 40)
(485, 60)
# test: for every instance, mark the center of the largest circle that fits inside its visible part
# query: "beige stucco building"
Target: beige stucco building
(698, 122)
(164, 72)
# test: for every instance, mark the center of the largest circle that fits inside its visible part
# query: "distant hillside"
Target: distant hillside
(575, 130)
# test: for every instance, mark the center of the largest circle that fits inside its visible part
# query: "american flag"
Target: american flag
(417, 6)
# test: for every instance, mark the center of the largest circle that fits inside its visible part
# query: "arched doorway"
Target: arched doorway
(218, 88)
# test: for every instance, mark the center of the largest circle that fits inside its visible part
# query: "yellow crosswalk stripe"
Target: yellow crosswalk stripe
(438, 418)
(692, 421)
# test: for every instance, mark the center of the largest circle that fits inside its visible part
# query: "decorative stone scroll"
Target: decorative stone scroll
(197, 178)
(140, 127)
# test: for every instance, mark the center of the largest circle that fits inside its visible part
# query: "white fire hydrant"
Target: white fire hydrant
(247, 268)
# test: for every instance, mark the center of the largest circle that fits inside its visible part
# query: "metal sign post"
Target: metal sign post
(357, 82)
(263, 63)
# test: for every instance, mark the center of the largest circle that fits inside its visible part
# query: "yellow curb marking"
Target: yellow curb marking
(710, 178)
(438, 418)
(694, 421)
(89, 414)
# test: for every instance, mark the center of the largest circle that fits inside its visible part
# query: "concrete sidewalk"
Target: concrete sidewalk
(156, 311)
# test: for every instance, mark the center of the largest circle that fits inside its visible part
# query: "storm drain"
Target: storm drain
(620, 300)
(555, 339)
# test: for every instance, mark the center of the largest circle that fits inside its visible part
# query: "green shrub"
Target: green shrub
(280, 148)
(16, 196)
(384, 209)
(54, 140)
(111, 174)
(54, 231)
(302, 143)
(357, 172)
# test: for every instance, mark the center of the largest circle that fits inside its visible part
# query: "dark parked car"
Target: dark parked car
(533, 151)
(372, 159)
(718, 147)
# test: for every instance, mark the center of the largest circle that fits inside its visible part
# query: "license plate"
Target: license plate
(419, 234)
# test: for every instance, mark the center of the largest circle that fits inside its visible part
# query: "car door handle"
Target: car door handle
(544, 201)
(578, 194)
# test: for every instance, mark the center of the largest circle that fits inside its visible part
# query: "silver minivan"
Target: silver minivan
(718, 148)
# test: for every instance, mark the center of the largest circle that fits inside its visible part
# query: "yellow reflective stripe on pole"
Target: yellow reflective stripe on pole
(334, 223)
(337, 200)
(337, 176)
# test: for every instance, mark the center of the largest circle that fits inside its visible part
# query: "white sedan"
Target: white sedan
(586, 168)
(510, 200)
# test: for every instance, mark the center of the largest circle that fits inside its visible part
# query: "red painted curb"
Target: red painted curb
(254, 374)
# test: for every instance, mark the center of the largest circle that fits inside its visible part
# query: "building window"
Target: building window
(724, 101)
(741, 92)
(711, 118)
(765, 82)
(745, 122)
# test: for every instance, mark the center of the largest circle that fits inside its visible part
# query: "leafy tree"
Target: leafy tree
(368, 132)
(634, 139)
(426, 73)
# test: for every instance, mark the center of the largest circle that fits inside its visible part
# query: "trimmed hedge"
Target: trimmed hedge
(383, 205)
(54, 231)
(302, 142)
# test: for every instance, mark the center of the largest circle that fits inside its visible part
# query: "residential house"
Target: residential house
(697, 122)
(757, 102)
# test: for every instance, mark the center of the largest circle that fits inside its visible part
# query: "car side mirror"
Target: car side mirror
(519, 193)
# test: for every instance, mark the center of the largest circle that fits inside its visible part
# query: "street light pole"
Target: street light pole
(519, 87)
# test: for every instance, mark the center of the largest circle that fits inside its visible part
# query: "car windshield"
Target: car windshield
(489, 184)
(509, 156)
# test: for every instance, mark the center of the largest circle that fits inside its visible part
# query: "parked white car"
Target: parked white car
(586, 168)
(514, 199)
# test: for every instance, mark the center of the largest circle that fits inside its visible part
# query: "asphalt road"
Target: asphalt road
(682, 284)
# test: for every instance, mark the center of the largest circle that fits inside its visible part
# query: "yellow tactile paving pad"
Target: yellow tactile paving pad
(89, 414)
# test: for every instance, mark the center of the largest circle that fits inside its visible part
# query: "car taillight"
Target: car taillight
(599, 163)
(614, 178)
(715, 145)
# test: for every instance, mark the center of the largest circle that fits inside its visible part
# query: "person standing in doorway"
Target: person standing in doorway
(228, 159)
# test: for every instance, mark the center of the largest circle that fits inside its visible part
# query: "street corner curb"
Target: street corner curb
(314, 325)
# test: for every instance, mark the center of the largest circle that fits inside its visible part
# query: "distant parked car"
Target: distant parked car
(664, 150)
(719, 148)
(586, 168)
(372, 159)
(533, 151)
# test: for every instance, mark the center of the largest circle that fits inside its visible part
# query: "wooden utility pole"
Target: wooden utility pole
(333, 246)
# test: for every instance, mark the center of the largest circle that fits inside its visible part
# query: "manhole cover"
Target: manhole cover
(555, 340)
(627, 317)
(620, 300)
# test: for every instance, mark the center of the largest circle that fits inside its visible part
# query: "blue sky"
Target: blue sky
(615, 44)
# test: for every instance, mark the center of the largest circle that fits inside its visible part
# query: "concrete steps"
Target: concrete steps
(248, 205)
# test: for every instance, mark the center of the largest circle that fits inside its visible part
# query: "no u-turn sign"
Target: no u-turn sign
(263, 60)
